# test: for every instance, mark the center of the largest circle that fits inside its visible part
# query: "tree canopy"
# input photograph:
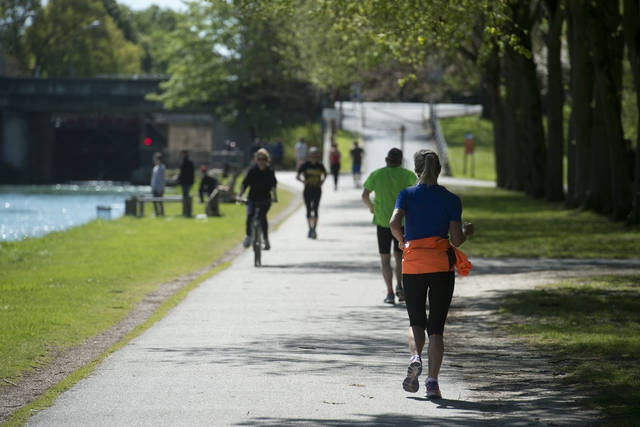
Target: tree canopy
(268, 62)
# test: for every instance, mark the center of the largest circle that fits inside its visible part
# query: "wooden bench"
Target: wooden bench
(186, 203)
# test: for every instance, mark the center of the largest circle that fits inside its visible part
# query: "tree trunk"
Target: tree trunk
(555, 103)
(527, 151)
(515, 164)
(632, 37)
(609, 50)
(581, 90)
(491, 87)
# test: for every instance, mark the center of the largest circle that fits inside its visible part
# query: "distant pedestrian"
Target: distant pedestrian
(313, 174)
(386, 183)
(432, 231)
(334, 163)
(158, 182)
(278, 151)
(186, 177)
(357, 153)
(300, 149)
(261, 182)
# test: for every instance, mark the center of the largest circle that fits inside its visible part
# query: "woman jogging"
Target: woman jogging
(261, 179)
(432, 231)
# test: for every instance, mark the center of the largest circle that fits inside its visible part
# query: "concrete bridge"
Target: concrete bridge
(56, 130)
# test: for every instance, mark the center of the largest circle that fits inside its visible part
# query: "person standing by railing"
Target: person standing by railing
(186, 177)
(158, 182)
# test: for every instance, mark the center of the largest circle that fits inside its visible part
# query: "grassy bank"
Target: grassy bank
(591, 328)
(510, 224)
(454, 130)
(58, 290)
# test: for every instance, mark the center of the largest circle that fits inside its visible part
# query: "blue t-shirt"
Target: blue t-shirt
(428, 211)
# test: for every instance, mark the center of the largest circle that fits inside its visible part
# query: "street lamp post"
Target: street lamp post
(402, 130)
(94, 24)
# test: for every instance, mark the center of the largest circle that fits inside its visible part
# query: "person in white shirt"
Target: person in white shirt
(300, 148)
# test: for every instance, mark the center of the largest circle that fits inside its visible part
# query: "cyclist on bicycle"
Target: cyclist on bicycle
(261, 181)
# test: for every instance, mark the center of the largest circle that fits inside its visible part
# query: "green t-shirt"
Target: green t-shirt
(386, 183)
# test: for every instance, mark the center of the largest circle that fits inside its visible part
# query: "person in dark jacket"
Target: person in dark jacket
(186, 177)
(261, 182)
(207, 184)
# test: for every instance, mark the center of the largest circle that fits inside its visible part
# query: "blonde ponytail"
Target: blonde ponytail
(427, 166)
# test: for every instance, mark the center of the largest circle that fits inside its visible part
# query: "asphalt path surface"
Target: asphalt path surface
(306, 340)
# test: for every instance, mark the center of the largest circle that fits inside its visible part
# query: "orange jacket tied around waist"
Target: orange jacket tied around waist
(429, 255)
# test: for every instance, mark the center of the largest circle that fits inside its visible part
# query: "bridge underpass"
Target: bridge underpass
(58, 130)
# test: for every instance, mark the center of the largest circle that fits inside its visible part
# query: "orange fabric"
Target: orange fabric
(429, 255)
(463, 265)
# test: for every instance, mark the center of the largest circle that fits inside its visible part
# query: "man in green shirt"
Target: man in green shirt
(386, 183)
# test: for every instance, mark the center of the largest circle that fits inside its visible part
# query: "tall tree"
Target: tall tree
(610, 179)
(63, 37)
(581, 90)
(153, 28)
(15, 17)
(554, 101)
(226, 57)
(632, 39)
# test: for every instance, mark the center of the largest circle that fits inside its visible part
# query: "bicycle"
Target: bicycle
(256, 232)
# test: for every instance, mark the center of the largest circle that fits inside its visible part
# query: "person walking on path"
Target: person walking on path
(312, 174)
(386, 183)
(261, 180)
(158, 182)
(356, 163)
(433, 230)
(300, 148)
(334, 163)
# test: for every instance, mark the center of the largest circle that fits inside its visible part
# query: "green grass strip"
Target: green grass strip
(592, 326)
(59, 290)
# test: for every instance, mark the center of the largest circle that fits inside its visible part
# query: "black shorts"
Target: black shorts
(311, 197)
(434, 289)
(386, 241)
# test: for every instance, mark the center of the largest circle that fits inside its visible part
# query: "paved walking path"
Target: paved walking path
(306, 340)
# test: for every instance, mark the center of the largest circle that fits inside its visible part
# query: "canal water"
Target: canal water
(33, 211)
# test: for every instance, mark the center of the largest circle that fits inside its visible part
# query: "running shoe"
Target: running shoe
(267, 246)
(390, 299)
(400, 293)
(433, 390)
(412, 383)
(247, 241)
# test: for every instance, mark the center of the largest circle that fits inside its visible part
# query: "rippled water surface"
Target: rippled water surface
(33, 211)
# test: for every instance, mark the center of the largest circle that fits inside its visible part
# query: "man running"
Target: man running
(356, 154)
(386, 183)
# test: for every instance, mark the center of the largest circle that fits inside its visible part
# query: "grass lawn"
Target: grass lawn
(454, 130)
(592, 328)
